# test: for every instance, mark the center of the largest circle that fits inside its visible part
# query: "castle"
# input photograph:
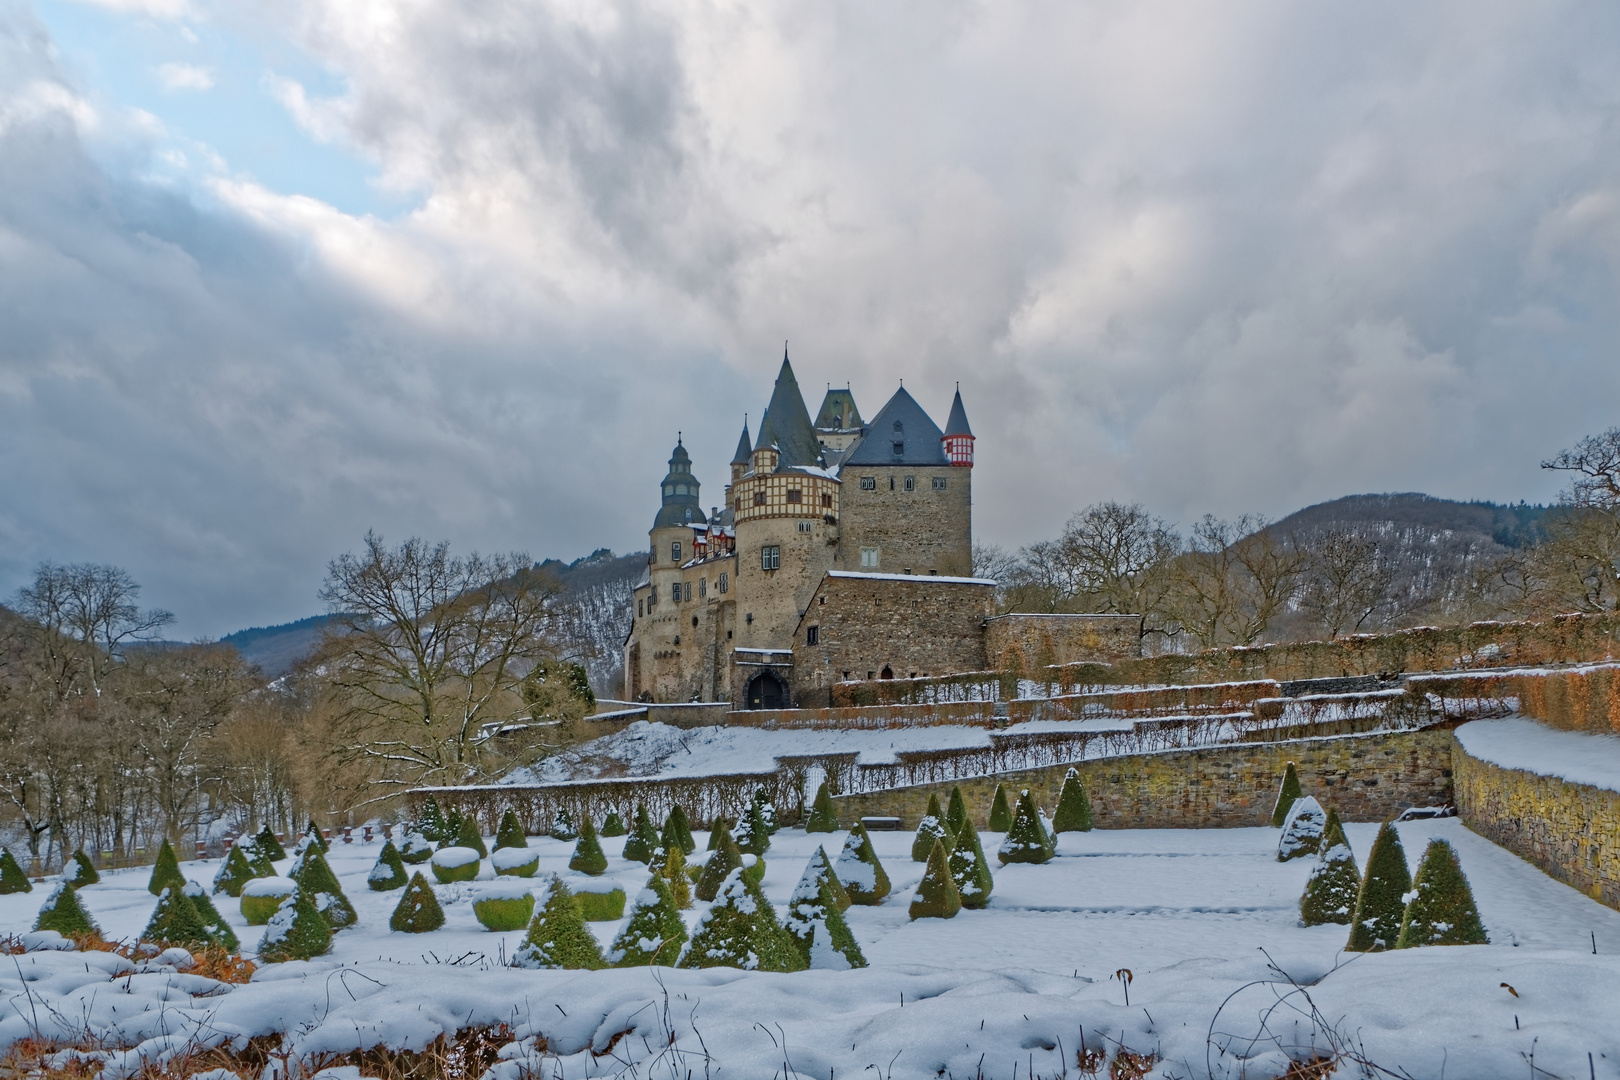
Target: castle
(844, 551)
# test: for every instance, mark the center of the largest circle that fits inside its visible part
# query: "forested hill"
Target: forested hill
(275, 649)
(1506, 526)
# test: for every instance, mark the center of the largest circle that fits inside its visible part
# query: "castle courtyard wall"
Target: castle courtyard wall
(1025, 642)
(922, 530)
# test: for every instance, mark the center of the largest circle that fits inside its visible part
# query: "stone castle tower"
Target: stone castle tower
(730, 595)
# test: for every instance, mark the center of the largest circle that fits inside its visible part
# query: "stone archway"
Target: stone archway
(765, 691)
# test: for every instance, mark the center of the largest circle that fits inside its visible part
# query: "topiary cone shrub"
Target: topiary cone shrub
(670, 865)
(859, 870)
(80, 871)
(267, 845)
(767, 811)
(1286, 794)
(253, 851)
(741, 930)
(558, 936)
(431, 824)
(234, 872)
(643, 838)
(515, 862)
(562, 826)
(510, 834)
(469, 837)
(1073, 812)
(1302, 832)
(719, 865)
(504, 906)
(418, 910)
(588, 855)
(389, 872)
(970, 869)
(753, 867)
(262, 896)
(655, 931)
(753, 835)
(1001, 817)
(166, 871)
(823, 816)
(175, 922)
(614, 825)
(1330, 892)
(452, 828)
(297, 931)
(930, 830)
(12, 878)
(316, 881)
(1442, 909)
(956, 813)
(312, 838)
(815, 920)
(414, 848)
(64, 913)
(937, 896)
(219, 931)
(454, 864)
(678, 831)
(1380, 902)
(1027, 840)
(714, 831)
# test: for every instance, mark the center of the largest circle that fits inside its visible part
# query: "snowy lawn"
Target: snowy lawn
(1195, 916)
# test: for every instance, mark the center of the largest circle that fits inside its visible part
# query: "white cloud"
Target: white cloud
(157, 9)
(178, 76)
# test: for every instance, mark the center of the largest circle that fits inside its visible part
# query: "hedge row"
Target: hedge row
(1157, 701)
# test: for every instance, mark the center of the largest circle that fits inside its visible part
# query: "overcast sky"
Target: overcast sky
(275, 272)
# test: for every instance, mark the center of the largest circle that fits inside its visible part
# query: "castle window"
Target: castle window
(694, 626)
(689, 590)
(793, 495)
(675, 551)
(675, 592)
(770, 557)
(939, 483)
(725, 582)
(899, 448)
(869, 558)
(804, 526)
(759, 498)
(640, 610)
(703, 586)
(826, 500)
(911, 483)
(868, 483)
(812, 636)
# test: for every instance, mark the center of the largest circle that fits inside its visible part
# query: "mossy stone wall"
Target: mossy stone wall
(1571, 831)
(1366, 777)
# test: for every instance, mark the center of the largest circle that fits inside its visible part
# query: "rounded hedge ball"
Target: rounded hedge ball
(455, 864)
(262, 896)
(504, 905)
(515, 862)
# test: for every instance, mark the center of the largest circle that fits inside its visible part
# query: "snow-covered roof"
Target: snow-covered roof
(773, 652)
(814, 470)
(913, 578)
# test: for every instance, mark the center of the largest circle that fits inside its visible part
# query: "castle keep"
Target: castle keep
(843, 551)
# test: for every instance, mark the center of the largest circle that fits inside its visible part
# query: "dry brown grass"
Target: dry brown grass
(1129, 1065)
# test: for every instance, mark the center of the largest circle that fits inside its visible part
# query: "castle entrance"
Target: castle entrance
(765, 691)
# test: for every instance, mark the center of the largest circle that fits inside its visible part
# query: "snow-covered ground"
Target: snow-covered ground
(1198, 918)
(1517, 743)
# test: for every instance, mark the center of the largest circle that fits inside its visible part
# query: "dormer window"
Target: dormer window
(899, 448)
(898, 427)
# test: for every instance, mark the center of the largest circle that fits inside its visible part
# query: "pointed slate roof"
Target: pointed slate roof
(786, 423)
(838, 412)
(900, 434)
(744, 447)
(957, 424)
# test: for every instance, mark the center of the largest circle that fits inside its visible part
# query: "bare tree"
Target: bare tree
(1275, 565)
(1577, 566)
(82, 616)
(428, 651)
(1347, 582)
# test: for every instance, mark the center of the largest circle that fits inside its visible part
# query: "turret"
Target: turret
(745, 450)
(958, 437)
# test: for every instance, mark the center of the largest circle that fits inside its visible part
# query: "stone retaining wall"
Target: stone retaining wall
(1367, 777)
(1570, 831)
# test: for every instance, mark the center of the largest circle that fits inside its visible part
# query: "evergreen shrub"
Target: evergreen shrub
(219, 931)
(670, 865)
(175, 921)
(455, 864)
(418, 910)
(469, 837)
(64, 913)
(741, 930)
(1027, 840)
(1286, 794)
(166, 871)
(929, 830)
(12, 878)
(643, 838)
(414, 848)
(753, 867)
(937, 896)
(815, 919)
(234, 872)
(823, 815)
(515, 862)
(558, 936)
(821, 868)
(510, 834)
(655, 931)
(452, 828)
(266, 844)
(614, 825)
(598, 903)
(1073, 812)
(80, 871)
(753, 835)
(678, 831)
(253, 850)
(588, 855)
(858, 869)
(1380, 902)
(970, 869)
(1442, 909)
(1302, 832)
(316, 881)
(502, 908)
(1330, 892)
(262, 896)
(312, 838)
(431, 824)
(956, 812)
(1001, 817)
(719, 865)
(297, 931)
(767, 811)
(562, 826)
(389, 873)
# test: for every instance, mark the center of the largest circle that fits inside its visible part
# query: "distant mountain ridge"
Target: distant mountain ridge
(276, 650)
(1505, 524)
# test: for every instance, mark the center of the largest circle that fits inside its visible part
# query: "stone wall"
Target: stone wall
(1367, 777)
(1024, 642)
(868, 623)
(1571, 831)
(913, 531)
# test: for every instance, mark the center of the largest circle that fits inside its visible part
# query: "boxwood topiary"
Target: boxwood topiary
(455, 864)
(643, 838)
(597, 906)
(588, 855)
(297, 931)
(670, 864)
(389, 873)
(655, 931)
(175, 922)
(510, 834)
(1286, 794)
(720, 863)
(431, 822)
(741, 930)
(515, 862)
(822, 868)
(815, 919)
(1442, 909)
(1302, 832)
(312, 838)
(418, 910)
(970, 869)
(767, 811)
(677, 831)
(79, 871)
(937, 896)
(414, 848)
(267, 844)
(613, 825)
(956, 814)
(12, 878)
(219, 931)
(503, 910)
(562, 826)
(1027, 840)
(859, 870)
(316, 881)
(64, 913)
(1380, 903)
(823, 815)
(1001, 817)
(929, 830)
(558, 936)
(753, 835)
(234, 872)
(1073, 813)
(1330, 892)
(469, 836)
(166, 871)
(262, 896)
